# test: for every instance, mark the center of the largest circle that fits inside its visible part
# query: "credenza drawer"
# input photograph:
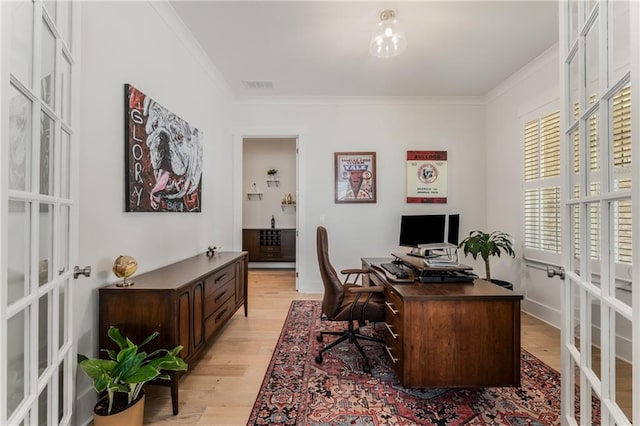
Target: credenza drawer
(219, 317)
(218, 288)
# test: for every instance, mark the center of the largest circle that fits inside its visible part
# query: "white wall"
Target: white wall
(260, 155)
(390, 128)
(532, 88)
(140, 43)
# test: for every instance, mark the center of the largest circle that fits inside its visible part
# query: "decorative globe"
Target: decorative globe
(124, 267)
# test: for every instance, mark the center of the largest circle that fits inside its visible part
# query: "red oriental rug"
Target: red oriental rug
(298, 391)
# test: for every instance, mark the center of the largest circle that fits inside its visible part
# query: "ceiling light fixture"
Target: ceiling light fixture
(388, 39)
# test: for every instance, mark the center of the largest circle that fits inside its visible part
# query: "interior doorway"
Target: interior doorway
(269, 205)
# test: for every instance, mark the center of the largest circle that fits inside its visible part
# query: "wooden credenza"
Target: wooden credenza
(451, 335)
(187, 302)
(270, 245)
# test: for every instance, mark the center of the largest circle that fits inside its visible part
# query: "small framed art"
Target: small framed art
(355, 177)
(427, 177)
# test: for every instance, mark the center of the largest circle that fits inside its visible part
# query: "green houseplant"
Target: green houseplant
(487, 245)
(125, 372)
(272, 172)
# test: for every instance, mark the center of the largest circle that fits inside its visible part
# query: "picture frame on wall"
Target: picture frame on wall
(163, 158)
(427, 177)
(355, 177)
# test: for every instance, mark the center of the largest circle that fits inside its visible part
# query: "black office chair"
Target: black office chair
(344, 301)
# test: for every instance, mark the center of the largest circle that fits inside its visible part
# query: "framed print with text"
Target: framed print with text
(163, 160)
(355, 177)
(427, 177)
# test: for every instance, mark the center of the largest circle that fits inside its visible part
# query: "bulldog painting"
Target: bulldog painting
(163, 158)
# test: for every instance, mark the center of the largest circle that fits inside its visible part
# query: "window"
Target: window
(542, 185)
(620, 134)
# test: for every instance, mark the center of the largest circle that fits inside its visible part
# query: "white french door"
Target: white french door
(38, 211)
(600, 309)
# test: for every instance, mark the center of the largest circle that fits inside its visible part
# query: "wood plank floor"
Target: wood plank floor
(221, 387)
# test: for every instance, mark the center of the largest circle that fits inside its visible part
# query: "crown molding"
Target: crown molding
(177, 25)
(549, 55)
(359, 100)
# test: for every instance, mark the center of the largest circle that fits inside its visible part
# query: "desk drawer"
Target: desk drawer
(394, 308)
(395, 356)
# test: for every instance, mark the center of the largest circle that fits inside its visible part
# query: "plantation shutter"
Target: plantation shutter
(621, 134)
(621, 156)
(542, 191)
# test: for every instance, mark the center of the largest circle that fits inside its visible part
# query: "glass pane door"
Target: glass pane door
(598, 311)
(36, 348)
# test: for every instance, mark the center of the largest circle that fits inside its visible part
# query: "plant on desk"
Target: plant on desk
(487, 245)
(123, 375)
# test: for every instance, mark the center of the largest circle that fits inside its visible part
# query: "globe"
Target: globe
(124, 267)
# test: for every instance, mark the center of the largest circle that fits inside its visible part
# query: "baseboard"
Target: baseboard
(85, 401)
(272, 265)
(542, 312)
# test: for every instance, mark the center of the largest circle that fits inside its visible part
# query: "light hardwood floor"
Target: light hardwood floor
(221, 387)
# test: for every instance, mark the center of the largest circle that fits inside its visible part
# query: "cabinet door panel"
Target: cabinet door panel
(184, 320)
(288, 248)
(239, 283)
(251, 243)
(198, 337)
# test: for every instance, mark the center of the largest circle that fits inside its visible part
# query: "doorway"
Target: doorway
(269, 203)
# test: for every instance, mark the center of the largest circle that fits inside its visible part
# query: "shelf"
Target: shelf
(254, 194)
(276, 182)
(287, 205)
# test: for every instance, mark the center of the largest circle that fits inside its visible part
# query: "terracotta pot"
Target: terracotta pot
(132, 416)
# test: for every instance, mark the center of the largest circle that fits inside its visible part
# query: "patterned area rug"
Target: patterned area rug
(297, 391)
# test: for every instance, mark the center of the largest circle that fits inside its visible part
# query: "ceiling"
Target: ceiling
(320, 48)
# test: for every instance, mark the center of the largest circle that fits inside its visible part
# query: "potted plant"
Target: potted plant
(123, 375)
(272, 173)
(487, 245)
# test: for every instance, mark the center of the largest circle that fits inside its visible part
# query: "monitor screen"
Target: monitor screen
(453, 229)
(422, 229)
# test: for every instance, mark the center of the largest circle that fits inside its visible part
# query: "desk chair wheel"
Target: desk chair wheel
(319, 359)
(319, 338)
(366, 368)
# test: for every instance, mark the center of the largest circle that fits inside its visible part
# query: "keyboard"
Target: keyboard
(395, 270)
(446, 277)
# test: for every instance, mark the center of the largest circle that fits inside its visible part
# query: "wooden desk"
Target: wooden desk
(451, 335)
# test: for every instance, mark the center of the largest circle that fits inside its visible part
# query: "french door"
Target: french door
(600, 309)
(38, 211)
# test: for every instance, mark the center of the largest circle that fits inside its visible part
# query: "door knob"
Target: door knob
(552, 271)
(86, 271)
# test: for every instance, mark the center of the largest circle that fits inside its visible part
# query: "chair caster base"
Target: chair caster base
(319, 338)
(319, 359)
(366, 368)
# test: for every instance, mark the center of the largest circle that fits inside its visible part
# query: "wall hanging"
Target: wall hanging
(355, 177)
(163, 158)
(426, 177)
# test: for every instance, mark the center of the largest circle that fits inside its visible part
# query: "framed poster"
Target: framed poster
(355, 177)
(426, 177)
(163, 158)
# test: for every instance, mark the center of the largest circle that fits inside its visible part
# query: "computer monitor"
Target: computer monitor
(453, 228)
(422, 229)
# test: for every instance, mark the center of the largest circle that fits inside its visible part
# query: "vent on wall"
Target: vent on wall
(258, 84)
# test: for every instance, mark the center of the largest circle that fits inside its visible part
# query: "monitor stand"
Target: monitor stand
(418, 252)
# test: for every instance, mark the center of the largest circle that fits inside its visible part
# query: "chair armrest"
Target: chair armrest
(371, 289)
(354, 271)
(351, 271)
